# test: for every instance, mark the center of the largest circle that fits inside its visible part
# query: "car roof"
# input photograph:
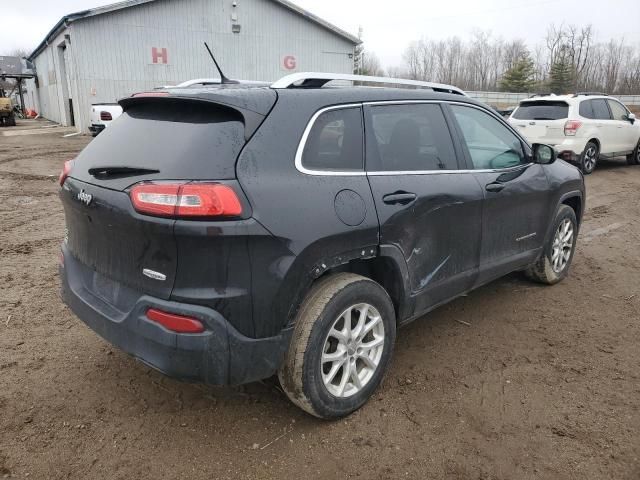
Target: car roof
(259, 98)
(562, 98)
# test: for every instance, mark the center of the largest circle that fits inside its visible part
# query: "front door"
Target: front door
(426, 206)
(516, 199)
(626, 133)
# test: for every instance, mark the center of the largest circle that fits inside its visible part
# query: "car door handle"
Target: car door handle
(494, 187)
(403, 198)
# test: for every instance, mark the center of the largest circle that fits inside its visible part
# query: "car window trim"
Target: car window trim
(353, 173)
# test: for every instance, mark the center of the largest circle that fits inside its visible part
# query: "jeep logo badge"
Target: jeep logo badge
(84, 197)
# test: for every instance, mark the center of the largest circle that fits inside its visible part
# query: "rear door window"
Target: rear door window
(412, 137)
(600, 109)
(335, 141)
(542, 110)
(618, 111)
(586, 109)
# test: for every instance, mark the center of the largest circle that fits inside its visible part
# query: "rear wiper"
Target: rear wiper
(119, 171)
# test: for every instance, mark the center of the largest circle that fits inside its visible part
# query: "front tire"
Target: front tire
(553, 265)
(589, 157)
(634, 158)
(341, 346)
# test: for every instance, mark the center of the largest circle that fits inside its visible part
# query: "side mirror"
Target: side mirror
(632, 118)
(544, 154)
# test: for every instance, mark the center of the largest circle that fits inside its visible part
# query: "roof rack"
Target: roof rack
(213, 81)
(317, 80)
(586, 94)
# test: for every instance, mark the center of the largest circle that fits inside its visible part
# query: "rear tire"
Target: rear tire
(589, 157)
(11, 121)
(555, 260)
(634, 158)
(325, 371)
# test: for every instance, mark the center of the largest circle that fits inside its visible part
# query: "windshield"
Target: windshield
(542, 110)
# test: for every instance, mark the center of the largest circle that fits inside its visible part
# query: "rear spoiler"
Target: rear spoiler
(252, 119)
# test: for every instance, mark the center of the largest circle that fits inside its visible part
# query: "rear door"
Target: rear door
(159, 142)
(426, 206)
(541, 121)
(516, 192)
(607, 131)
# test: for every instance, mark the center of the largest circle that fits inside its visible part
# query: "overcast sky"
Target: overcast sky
(389, 25)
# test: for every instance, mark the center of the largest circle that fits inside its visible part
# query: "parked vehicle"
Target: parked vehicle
(225, 234)
(7, 115)
(102, 114)
(583, 127)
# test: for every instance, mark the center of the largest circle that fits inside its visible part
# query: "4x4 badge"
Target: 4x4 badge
(84, 197)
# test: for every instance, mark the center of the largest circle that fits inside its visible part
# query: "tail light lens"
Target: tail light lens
(571, 127)
(105, 116)
(186, 200)
(175, 323)
(66, 170)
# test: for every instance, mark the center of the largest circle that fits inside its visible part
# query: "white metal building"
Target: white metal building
(106, 53)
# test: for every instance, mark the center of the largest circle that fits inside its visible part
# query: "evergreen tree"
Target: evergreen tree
(561, 75)
(520, 77)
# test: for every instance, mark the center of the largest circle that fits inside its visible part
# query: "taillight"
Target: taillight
(175, 323)
(66, 170)
(105, 116)
(186, 200)
(571, 127)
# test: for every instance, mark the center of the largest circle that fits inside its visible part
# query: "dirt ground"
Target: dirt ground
(514, 381)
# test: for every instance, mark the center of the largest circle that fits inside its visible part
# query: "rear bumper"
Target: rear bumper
(571, 148)
(219, 356)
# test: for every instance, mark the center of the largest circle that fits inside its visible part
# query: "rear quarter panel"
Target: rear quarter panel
(299, 211)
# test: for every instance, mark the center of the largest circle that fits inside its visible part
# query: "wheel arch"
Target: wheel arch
(387, 268)
(597, 142)
(575, 201)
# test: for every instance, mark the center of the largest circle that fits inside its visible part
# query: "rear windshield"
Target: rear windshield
(543, 110)
(182, 140)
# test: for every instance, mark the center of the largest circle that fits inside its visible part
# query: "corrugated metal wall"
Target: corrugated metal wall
(110, 55)
(55, 71)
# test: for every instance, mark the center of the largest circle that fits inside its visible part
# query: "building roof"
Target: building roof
(72, 17)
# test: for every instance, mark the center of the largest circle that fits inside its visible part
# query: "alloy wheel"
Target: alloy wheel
(590, 157)
(562, 246)
(352, 350)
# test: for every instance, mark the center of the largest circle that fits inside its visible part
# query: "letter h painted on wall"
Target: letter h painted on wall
(159, 55)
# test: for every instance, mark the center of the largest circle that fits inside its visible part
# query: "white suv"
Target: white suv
(582, 127)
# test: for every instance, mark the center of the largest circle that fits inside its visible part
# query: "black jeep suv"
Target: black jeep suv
(227, 233)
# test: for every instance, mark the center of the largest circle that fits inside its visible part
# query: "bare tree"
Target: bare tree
(480, 62)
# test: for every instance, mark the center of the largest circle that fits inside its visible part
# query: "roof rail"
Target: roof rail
(586, 94)
(319, 79)
(212, 81)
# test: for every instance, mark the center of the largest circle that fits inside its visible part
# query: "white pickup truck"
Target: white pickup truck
(102, 114)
